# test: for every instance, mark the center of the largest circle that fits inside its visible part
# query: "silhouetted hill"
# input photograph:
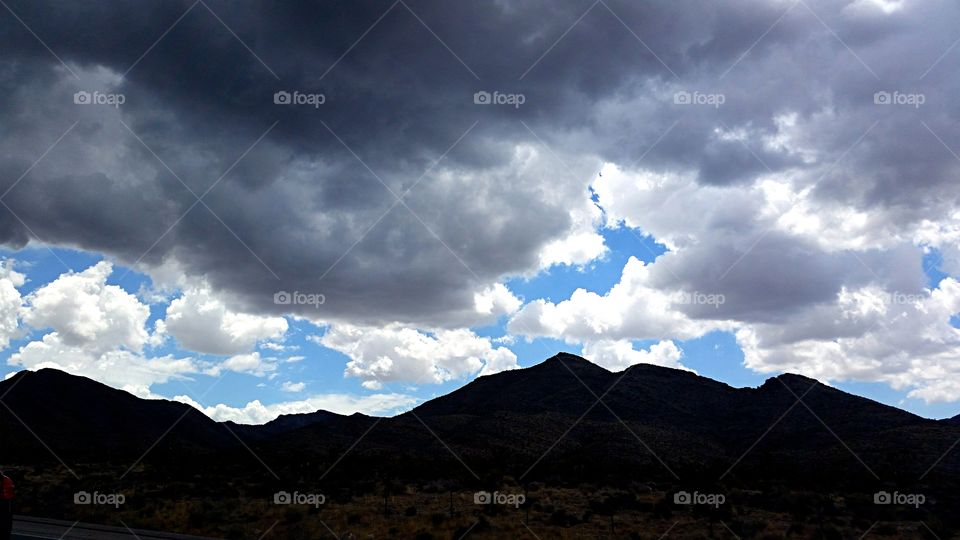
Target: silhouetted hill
(545, 387)
(79, 418)
(564, 420)
(285, 423)
(667, 422)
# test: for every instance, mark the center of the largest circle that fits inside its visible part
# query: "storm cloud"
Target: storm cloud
(400, 198)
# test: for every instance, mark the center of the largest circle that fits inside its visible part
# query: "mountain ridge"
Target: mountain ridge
(582, 364)
(563, 419)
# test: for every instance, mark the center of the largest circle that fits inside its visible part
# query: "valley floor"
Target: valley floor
(555, 513)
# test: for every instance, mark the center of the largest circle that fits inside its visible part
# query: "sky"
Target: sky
(266, 208)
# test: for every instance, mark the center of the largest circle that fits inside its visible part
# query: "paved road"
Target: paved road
(28, 528)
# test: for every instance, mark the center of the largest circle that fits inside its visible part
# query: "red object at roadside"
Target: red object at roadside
(6, 488)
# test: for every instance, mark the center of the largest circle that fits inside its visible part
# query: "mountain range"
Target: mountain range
(564, 420)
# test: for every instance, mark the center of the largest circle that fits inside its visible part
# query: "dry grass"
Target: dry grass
(194, 506)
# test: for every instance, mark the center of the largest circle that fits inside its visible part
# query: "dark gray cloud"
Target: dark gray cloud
(400, 97)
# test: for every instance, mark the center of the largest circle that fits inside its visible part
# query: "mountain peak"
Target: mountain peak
(792, 380)
(51, 377)
(572, 362)
(795, 377)
(566, 357)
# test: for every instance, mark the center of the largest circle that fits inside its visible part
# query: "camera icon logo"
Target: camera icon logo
(282, 298)
(82, 98)
(882, 98)
(682, 98)
(882, 497)
(282, 97)
(282, 497)
(482, 98)
(682, 497)
(82, 497)
(482, 497)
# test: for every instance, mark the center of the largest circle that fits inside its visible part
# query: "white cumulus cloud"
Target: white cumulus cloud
(10, 302)
(85, 311)
(96, 330)
(617, 355)
(396, 353)
(201, 322)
